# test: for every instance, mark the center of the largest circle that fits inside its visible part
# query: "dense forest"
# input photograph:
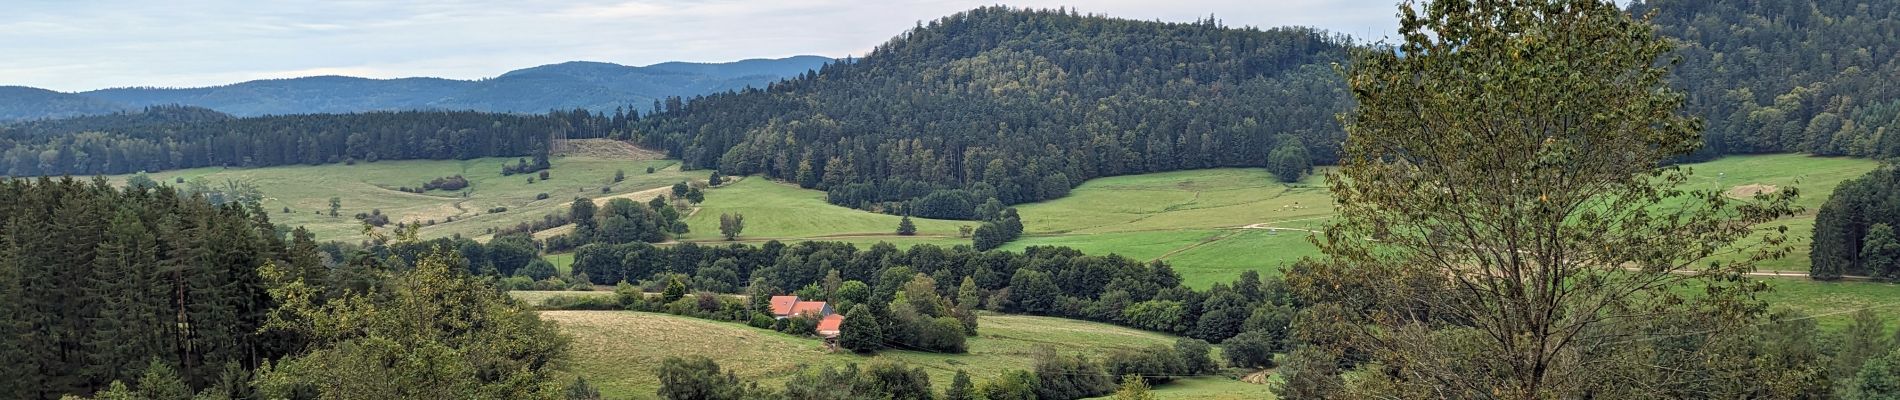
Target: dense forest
(1853, 232)
(110, 290)
(1782, 76)
(1019, 106)
(173, 137)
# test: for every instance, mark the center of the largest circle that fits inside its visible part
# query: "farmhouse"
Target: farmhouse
(831, 326)
(789, 306)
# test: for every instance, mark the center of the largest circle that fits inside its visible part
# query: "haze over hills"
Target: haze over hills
(595, 86)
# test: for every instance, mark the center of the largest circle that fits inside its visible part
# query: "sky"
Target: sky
(84, 45)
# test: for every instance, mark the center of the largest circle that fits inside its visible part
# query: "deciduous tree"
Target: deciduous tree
(1499, 233)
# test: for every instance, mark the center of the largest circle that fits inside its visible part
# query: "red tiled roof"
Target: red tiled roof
(808, 307)
(830, 324)
(782, 305)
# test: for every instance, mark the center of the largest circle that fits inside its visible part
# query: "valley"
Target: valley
(998, 203)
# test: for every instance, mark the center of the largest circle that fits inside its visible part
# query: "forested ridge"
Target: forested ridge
(174, 137)
(1784, 76)
(1020, 105)
(595, 86)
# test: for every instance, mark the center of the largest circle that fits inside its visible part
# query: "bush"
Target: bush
(588, 302)
(761, 321)
(497, 210)
(800, 325)
(456, 182)
(1251, 349)
(1159, 363)
(537, 270)
(515, 283)
(541, 196)
(943, 334)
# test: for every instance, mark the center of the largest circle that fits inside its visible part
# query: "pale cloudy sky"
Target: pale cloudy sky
(82, 45)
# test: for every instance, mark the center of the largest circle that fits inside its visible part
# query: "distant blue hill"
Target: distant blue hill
(590, 85)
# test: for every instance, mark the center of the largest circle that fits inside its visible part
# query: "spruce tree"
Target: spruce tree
(905, 227)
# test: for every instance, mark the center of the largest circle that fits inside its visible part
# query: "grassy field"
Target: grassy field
(1832, 304)
(1194, 219)
(781, 211)
(618, 350)
(1189, 218)
(306, 190)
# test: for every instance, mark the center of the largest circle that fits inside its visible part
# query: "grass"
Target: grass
(563, 262)
(1187, 218)
(618, 350)
(1832, 303)
(1198, 199)
(306, 190)
(780, 211)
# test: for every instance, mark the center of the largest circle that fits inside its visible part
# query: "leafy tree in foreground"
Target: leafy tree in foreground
(1498, 234)
(1878, 380)
(418, 337)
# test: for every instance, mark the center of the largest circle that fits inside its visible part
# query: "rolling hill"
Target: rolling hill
(20, 103)
(593, 86)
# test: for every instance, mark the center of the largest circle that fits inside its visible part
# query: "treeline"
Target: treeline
(144, 292)
(173, 137)
(1769, 76)
(1854, 230)
(1050, 281)
(1020, 105)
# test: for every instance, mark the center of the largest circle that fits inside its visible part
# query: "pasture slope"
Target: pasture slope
(619, 351)
(366, 186)
(1212, 224)
(785, 212)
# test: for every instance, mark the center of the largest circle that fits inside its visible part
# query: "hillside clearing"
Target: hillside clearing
(305, 191)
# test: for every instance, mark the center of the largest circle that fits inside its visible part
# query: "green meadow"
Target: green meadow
(785, 212)
(305, 191)
(619, 350)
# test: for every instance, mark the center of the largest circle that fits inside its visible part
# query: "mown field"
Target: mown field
(785, 212)
(619, 350)
(306, 191)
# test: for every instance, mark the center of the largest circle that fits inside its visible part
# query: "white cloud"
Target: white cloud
(94, 44)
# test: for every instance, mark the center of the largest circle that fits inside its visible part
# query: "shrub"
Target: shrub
(541, 196)
(761, 321)
(1251, 349)
(456, 182)
(590, 302)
